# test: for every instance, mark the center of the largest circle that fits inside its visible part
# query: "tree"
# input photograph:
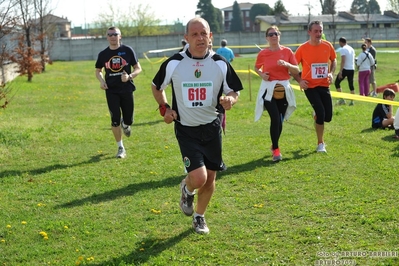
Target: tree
(279, 8)
(24, 54)
(359, 7)
(329, 7)
(135, 20)
(207, 11)
(41, 9)
(7, 25)
(142, 20)
(236, 21)
(8, 22)
(220, 20)
(365, 7)
(374, 7)
(259, 10)
(393, 5)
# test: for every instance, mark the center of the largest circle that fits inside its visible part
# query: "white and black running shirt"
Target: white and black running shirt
(197, 85)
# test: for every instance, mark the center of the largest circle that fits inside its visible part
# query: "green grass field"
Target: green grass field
(65, 199)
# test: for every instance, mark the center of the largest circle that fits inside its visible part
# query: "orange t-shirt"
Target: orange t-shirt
(267, 62)
(316, 61)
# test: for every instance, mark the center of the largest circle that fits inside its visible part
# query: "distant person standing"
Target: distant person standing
(347, 69)
(371, 49)
(225, 51)
(318, 60)
(183, 44)
(118, 60)
(364, 62)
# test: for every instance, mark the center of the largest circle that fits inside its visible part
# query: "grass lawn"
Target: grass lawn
(65, 199)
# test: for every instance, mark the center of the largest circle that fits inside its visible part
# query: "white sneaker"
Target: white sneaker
(186, 201)
(321, 147)
(126, 129)
(199, 225)
(121, 153)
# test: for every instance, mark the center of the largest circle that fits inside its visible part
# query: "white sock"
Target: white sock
(200, 215)
(120, 144)
(189, 192)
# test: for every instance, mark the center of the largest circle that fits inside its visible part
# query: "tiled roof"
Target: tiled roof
(243, 6)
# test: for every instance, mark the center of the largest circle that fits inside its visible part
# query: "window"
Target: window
(387, 25)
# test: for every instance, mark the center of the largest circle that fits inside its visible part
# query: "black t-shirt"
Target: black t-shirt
(114, 62)
(379, 114)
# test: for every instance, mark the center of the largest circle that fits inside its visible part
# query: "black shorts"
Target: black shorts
(120, 105)
(321, 101)
(201, 146)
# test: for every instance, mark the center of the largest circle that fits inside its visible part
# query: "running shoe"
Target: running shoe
(126, 129)
(199, 225)
(121, 153)
(321, 147)
(186, 201)
(277, 155)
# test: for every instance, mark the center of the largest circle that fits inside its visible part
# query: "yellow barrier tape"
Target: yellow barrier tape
(157, 62)
(355, 97)
(336, 94)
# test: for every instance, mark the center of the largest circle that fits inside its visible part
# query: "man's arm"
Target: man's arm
(136, 71)
(229, 100)
(168, 114)
(159, 95)
(100, 77)
(343, 58)
(333, 66)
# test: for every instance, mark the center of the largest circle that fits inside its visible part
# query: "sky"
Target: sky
(80, 12)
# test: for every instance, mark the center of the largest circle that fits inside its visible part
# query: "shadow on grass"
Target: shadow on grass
(148, 123)
(395, 144)
(368, 130)
(141, 124)
(168, 182)
(38, 171)
(124, 191)
(146, 248)
(265, 161)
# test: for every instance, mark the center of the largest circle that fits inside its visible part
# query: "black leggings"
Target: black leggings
(321, 101)
(345, 73)
(120, 104)
(276, 110)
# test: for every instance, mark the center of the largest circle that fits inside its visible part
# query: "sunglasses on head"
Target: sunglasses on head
(271, 34)
(113, 34)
